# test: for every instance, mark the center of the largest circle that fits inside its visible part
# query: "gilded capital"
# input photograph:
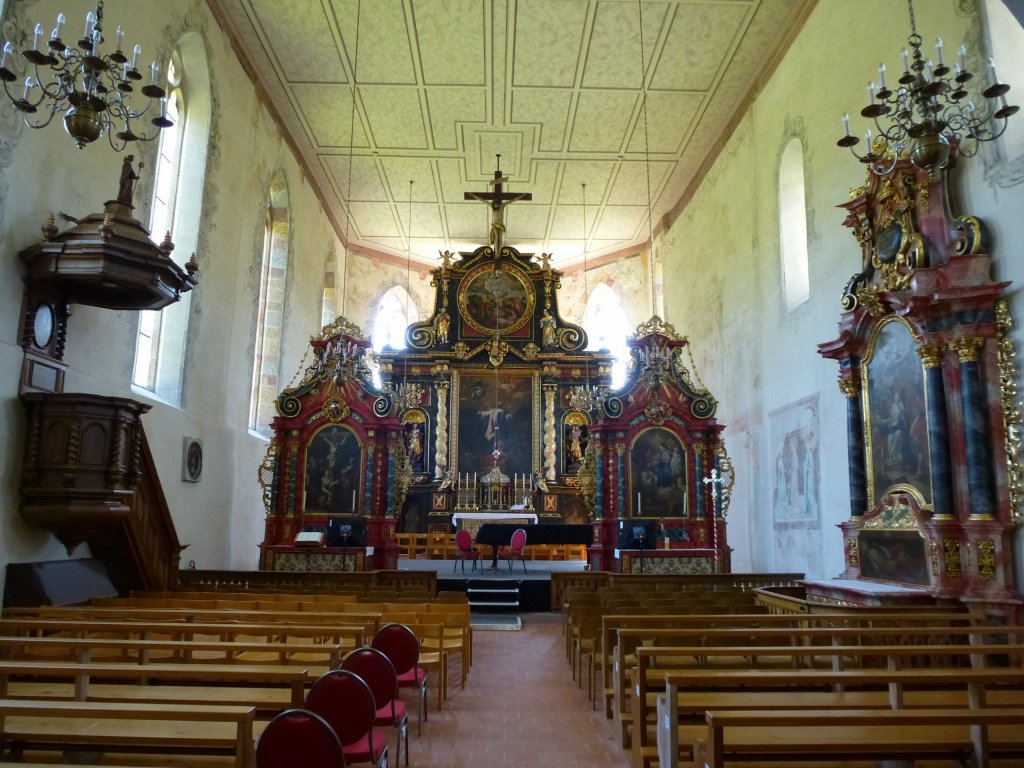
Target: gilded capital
(968, 349)
(620, 449)
(849, 387)
(931, 355)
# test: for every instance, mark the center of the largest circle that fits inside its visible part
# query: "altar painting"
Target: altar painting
(333, 463)
(796, 462)
(895, 419)
(491, 299)
(496, 412)
(657, 474)
(894, 556)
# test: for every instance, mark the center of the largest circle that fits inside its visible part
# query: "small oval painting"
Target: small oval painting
(496, 299)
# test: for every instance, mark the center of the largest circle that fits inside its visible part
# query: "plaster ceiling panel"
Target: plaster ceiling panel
(548, 40)
(382, 47)
(526, 221)
(620, 222)
(426, 220)
(595, 174)
(450, 172)
(394, 245)
(543, 179)
(601, 119)
(327, 110)
(568, 222)
(451, 53)
(564, 252)
(700, 36)
(489, 144)
(399, 171)
(547, 108)
(613, 55)
(449, 108)
(467, 221)
(301, 40)
(366, 185)
(375, 220)
(394, 117)
(670, 118)
(427, 249)
(630, 186)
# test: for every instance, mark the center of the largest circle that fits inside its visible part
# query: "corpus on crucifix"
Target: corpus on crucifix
(497, 200)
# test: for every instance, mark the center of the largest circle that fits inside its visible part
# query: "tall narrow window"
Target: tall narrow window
(266, 377)
(395, 311)
(176, 210)
(605, 324)
(796, 286)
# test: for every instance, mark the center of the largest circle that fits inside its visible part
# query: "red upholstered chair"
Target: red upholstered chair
(464, 550)
(514, 550)
(320, 747)
(400, 645)
(379, 673)
(346, 702)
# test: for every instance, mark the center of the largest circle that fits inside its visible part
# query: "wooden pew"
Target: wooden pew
(648, 676)
(910, 734)
(973, 682)
(122, 727)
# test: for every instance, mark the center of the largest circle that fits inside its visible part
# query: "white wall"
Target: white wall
(221, 518)
(754, 356)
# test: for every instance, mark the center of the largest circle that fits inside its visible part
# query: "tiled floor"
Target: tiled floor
(520, 707)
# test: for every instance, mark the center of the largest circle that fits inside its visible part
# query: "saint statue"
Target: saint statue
(547, 329)
(126, 190)
(441, 326)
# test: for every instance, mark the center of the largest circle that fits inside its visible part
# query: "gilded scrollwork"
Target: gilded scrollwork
(968, 348)
(1012, 411)
(852, 552)
(656, 325)
(951, 555)
(727, 474)
(896, 514)
(267, 476)
(868, 298)
(987, 559)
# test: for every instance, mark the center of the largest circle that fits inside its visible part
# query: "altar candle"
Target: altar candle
(846, 125)
(353, 501)
(963, 57)
(638, 503)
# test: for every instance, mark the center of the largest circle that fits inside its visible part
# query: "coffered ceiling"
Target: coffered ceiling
(558, 88)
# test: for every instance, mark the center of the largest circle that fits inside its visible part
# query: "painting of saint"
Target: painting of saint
(492, 299)
(895, 416)
(333, 459)
(796, 480)
(657, 474)
(495, 413)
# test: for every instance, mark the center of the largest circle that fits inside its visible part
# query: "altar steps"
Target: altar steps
(493, 595)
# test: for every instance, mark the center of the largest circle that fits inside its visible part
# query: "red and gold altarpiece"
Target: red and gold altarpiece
(926, 365)
(496, 404)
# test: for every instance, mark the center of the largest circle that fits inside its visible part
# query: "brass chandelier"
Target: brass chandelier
(927, 111)
(91, 88)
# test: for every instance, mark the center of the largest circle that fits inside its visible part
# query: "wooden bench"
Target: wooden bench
(294, 679)
(124, 727)
(972, 682)
(911, 734)
(648, 678)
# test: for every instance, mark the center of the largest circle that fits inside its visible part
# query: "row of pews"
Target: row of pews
(730, 682)
(196, 674)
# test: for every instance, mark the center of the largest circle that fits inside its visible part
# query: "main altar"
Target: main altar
(496, 407)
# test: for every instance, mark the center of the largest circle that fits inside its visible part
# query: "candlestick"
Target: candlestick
(963, 57)
(906, 62)
(992, 71)
(938, 51)
(846, 124)
(881, 76)
(871, 93)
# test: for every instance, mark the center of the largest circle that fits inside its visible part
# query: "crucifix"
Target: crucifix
(497, 200)
(716, 481)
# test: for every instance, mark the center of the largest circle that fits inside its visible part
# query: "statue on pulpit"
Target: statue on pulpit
(126, 190)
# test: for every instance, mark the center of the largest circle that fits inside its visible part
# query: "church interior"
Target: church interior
(681, 288)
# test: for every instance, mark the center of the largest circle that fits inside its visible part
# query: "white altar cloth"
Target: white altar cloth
(494, 517)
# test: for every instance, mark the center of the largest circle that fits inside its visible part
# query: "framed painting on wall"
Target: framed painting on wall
(333, 469)
(796, 463)
(496, 411)
(657, 474)
(895, 415)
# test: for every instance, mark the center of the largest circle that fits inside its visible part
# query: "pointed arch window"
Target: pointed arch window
(395, 311)
(176, 210)
(796, 286)
(266, 377)
(604, 322)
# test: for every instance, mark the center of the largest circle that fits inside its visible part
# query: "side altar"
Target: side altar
(496, 406)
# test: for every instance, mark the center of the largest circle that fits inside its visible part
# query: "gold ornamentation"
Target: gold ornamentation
(266, 476)
(441, 441)
(951, 553)
(896, 514)
(987, 559)
(656, 325)
(1012, 412)
(931, 355)
(496, 351)
(852, 554)
(657, 411)
(335, 408)
(867, 297)
(968, 348)
(587, 480)
(341, 327)
(727, 476)
(530, 351)
(922, 191)
(848, 387)
(549, 431)
(461, 350)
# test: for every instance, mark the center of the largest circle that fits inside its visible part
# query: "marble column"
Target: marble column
(856, 468)
(938, 431)
(441, 443)
(549, 431)
(980, 480)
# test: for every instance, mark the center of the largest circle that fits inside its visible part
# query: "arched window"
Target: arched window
(266, 375)
(604, 321)
(176, 210)
(796, 287)
(395, 311)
